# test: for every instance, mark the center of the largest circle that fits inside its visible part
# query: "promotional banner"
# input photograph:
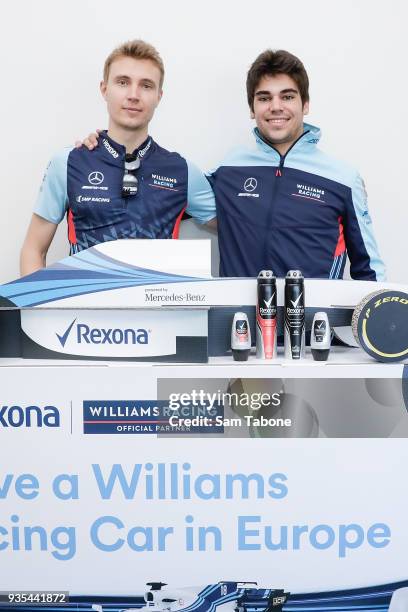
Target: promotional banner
(114, 477)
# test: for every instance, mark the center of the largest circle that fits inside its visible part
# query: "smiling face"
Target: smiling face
(278, 111)
(132, 92)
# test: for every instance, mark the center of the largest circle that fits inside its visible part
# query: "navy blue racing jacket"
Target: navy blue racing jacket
(304, 210)
(86, 186)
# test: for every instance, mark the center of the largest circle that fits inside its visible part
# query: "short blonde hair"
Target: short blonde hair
(137, 49)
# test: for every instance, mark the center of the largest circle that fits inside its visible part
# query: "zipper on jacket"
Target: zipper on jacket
(278, 173)
(279, 169)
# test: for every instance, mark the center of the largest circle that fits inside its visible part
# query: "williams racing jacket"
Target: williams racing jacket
(86, 186)
(304, 210)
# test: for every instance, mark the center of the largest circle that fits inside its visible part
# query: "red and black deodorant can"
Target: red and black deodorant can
(266, 311)
(294, 324)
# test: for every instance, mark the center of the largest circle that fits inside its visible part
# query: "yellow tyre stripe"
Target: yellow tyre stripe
(370, 346)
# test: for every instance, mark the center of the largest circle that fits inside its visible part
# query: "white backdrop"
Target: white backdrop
(355, 53)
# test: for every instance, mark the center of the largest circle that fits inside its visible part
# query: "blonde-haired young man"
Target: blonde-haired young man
(129, 187)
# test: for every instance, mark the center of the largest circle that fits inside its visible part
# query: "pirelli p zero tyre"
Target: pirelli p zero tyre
(380, 325)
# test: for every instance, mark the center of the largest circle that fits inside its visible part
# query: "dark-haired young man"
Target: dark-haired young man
(285, 204)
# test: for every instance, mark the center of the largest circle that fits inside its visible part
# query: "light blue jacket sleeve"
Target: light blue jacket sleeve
(200, 196)
(360, 239)
(52, 199)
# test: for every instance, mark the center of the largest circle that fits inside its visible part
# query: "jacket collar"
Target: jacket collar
(116, 151)
(310, 137)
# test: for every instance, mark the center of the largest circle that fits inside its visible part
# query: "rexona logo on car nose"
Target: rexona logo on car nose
(84, 334)
(29, 416)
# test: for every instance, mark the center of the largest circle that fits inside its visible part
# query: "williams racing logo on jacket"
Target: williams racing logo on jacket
(310, 192)
(163, 182)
